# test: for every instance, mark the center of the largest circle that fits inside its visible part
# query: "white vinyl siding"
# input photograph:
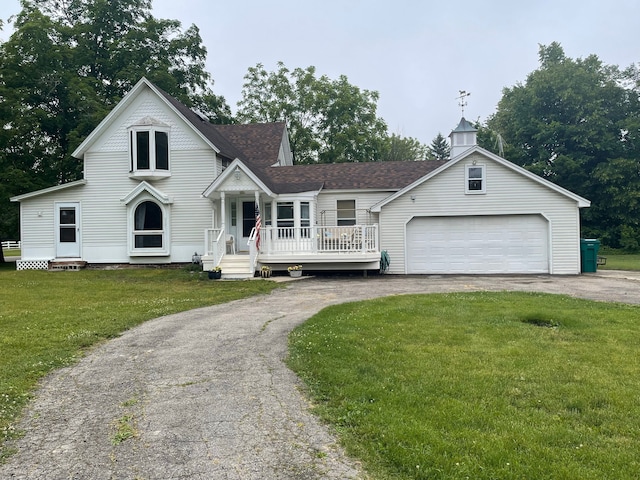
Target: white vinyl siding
(507, 193)
(105, 216)
(327, 206)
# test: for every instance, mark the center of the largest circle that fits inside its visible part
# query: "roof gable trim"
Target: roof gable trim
(582, 202)
(121, 105)
(236, 165)
(144, 187)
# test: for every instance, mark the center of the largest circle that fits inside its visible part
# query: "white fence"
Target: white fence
(11, 245)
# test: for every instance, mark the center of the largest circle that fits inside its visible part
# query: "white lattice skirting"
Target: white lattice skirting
(32, 264)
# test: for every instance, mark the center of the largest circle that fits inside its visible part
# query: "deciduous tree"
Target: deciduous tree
(328, 120)
(575, 122)
(399, 148)
(66, 65)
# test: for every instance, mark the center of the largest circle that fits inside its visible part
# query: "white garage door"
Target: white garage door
(478, 244)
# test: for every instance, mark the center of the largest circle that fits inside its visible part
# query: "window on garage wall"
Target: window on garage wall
(475, 179)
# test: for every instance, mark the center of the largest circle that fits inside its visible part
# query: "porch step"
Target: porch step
(236, 267)
(66, 265)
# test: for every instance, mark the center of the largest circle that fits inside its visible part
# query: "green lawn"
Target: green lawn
(621, 262)
(478, 385)
(11, 253)
(47, 319)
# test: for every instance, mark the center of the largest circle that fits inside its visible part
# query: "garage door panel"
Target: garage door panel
(478, 244)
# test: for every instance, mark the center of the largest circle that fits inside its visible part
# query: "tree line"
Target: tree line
(67, 64)
(576, 122)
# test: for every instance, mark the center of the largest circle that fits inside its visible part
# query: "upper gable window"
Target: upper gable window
(149, 150)
(475, 181)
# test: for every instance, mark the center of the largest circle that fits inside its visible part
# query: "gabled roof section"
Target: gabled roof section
(202, 127)
(144, 187)
(44, 191)
(259, 143)
(582, 202)
(207, 129)
(236, 165)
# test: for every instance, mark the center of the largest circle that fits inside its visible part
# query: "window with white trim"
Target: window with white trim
(285, 219)
(148, 226)
(474, 179)
(346, 210)
(305, 219)
(149, 151)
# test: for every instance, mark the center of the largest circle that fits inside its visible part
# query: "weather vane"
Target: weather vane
(462, 99)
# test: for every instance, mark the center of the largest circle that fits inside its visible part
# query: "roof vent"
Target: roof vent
(200, 115)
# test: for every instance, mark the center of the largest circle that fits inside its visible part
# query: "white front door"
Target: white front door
(68, 230)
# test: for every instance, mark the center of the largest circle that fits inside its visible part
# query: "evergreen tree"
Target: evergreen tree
(439, 148)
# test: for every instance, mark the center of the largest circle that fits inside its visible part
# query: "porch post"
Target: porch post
(223, 212)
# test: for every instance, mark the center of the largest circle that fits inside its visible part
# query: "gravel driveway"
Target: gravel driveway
(208, 395)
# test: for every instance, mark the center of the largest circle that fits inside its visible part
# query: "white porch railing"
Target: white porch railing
(215, 244)
(354, 239)
(319, 239)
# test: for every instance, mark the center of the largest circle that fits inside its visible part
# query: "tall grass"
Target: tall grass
(47, 319)
(478, 385)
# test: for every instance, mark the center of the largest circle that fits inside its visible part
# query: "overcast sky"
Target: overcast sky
(418, 54)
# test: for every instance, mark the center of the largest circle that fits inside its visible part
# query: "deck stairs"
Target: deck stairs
(236, 267)
(66, 265)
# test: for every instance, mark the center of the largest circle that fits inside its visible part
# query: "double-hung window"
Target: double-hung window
(475, 181)
(149, 151)
(305, 220)
(346, 210)
(286, 219)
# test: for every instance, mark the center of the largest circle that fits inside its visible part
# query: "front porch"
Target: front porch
(353, 247)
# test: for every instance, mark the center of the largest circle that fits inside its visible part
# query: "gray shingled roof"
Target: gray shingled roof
(258, 146)
(348, 176)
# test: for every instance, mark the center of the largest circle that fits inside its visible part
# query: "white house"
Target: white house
(162, 184)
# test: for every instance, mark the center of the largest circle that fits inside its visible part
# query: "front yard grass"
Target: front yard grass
(47, 319)
(478, 385)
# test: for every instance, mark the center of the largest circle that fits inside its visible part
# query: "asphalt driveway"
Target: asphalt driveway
(206, 392)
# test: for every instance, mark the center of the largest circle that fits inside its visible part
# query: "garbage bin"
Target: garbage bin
(589, 254)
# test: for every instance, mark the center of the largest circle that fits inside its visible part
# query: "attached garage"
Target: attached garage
(478, 244)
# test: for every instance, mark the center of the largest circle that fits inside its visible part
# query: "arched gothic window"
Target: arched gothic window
(148, 226)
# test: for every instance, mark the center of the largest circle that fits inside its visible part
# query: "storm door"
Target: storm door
(247, 223)
(68, 230)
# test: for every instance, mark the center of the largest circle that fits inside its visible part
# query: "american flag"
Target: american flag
(258, 225)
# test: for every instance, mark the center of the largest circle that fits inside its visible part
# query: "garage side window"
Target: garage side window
(475, 179)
